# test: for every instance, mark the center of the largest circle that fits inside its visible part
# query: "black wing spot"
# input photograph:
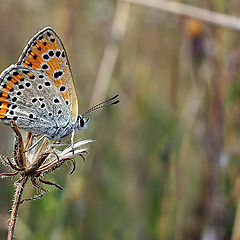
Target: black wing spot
(30, 64)
(47, 84)
(45, 66)
(58, 74)
(40, 86)
(58, 53)
(56, 100)
(34, 100)
(62, 88)
(45, 56)
(35, 56)
(15, 73)
(51, 53)
(28, 84)
(30, 115)
(25, 71)
(14, 99)
(43, 105)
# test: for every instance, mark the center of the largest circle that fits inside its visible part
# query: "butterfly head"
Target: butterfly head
(81, 123)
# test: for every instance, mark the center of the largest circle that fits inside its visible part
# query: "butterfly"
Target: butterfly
(38, 92)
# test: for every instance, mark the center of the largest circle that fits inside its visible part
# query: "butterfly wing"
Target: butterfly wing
(32, 100)
(45, 52)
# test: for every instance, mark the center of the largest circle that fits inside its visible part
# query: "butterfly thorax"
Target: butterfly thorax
(62, 131)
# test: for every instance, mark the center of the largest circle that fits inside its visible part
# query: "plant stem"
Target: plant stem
(206, 15)
(15, 206)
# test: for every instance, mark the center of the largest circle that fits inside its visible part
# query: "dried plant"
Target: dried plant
(34, 164)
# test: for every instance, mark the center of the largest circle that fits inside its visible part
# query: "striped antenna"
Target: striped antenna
(106, 103)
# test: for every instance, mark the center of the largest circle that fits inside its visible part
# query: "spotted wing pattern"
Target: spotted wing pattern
(45, 52)
(32, 100)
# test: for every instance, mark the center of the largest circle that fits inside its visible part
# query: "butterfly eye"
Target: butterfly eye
(82, 122)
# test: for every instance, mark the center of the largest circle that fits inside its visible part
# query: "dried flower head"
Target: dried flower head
(36, 163)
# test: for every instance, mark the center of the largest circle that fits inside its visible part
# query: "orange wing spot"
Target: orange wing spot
(38, 48)
(3, 94)
(36, 53)
(53, 64)
(55, 61)
(39, 61)
(30, 64)
(18, 78)
(52, 67)
(58, 82)
(4, 105)
(3, 98)
(55, 45)
(3, 108)
(2, 116)
(36, 58)
(65, 95)
(49, 73)
(13, 81)
(44, 45)
(7, 89)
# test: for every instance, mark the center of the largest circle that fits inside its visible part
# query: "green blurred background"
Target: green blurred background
(166, 159)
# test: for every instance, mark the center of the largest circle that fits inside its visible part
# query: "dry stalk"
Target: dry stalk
(206, 15)
(111, 51)
(15, 207)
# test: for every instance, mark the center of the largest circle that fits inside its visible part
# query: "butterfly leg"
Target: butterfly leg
(72, 140)
(36, 143)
